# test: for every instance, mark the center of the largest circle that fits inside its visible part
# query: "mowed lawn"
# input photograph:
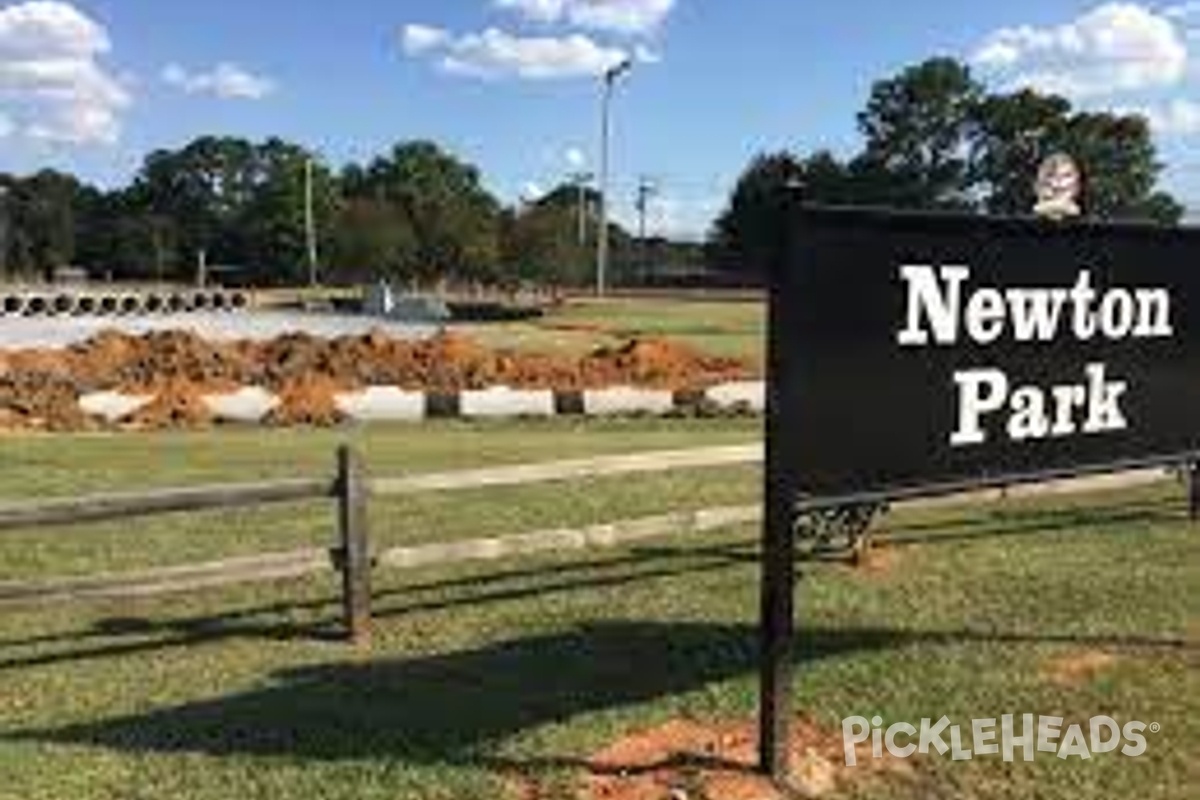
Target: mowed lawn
(1074, 607)
(725, 327)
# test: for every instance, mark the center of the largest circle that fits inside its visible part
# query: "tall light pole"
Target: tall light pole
(581, 181)
(3, 232)
(610, 80)
(310, 222)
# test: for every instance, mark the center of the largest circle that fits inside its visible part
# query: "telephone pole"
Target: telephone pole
(645, 192)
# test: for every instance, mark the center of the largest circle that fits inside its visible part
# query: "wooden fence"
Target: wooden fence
(352, 556)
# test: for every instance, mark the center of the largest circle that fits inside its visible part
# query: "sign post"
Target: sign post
(915, 355)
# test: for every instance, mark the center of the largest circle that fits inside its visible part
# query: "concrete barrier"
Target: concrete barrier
(501, 401)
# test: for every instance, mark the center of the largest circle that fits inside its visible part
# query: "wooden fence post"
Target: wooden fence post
(1193, 489)
(355, 552)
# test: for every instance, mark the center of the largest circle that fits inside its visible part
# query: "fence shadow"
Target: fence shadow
(450, 708)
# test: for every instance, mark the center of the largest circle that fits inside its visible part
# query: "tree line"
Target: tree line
(932, 138)
(417, 213)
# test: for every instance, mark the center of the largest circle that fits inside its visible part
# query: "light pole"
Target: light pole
(610, 79)
(310, 226)
(581, 181)
(3, 232)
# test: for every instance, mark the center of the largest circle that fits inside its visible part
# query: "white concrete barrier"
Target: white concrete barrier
(382, 404)
(112, 406)
(745, 394)
(627, 400)
(249, 404)
(501, 401)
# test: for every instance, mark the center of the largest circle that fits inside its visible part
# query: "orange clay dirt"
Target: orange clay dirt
(690, 760)
(40, 388)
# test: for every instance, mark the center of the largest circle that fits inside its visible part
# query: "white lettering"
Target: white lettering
(981, 391)
(924, 295)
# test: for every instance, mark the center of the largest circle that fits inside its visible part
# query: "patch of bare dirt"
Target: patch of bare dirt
(308, 401)
(1077, 668)
(687, 760)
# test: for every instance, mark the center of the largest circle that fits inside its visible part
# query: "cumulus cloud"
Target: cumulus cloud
(418, 39)
(226, 81)
(634, 17)
(53, 83)
(1115, 47)
(1179, 117)
(494, 53)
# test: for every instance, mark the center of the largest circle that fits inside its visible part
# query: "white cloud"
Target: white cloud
(635, 17)
(1179, 117)
(575, 158)
(7, 127)
(227, 81)
(1183, 10)
(494, 53)
(52, 82)
(1115, 47)
(418, 39)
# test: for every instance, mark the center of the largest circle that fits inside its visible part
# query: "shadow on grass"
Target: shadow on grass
(452, 708)
(1000, 521)
(147, 635)
(130, 636)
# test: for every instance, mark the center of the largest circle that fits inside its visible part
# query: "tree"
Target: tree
(917, 128)
(454, 219)
(1014, 134)
(372, 240)
(748, 235)
(542, 241)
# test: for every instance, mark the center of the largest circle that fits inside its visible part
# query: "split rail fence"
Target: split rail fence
(352, 556)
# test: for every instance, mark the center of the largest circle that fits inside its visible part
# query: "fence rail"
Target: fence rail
(352, 556)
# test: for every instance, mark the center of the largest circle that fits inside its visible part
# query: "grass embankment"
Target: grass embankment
(732, 328)
(478, 674)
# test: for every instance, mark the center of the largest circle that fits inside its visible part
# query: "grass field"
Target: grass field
(528, 667)
(721, 327)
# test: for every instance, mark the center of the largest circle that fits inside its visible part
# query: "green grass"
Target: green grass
(529, 666)
(727, 328)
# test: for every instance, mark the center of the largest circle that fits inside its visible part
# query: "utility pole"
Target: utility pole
(645, 191)
(581, 181)
(3, 232)
(610, 79)
(310, 223)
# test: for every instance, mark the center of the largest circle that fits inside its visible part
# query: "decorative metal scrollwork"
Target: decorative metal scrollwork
(842, 531)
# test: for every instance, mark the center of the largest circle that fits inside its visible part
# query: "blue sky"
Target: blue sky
(92, 85)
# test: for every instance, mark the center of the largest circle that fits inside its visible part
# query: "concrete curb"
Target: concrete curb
(252, 404)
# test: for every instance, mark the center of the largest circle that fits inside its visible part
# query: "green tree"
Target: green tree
(917, 128)
(454, 219)
(372, 240)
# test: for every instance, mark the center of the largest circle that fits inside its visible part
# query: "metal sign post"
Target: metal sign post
(778, 581)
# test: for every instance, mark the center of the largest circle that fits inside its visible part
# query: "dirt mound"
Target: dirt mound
(686, 759)
(307, 401)
(41, 386)
(178, 403)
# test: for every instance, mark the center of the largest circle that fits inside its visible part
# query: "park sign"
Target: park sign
(922, 350)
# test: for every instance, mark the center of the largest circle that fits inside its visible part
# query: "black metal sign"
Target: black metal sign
(915, 350)
(914, 354)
